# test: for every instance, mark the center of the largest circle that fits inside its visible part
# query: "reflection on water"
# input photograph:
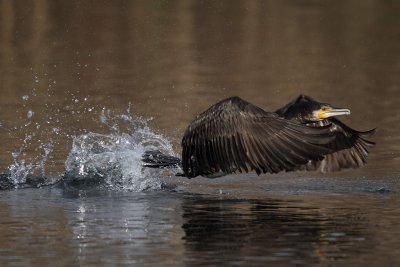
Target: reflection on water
(103, 228)
(63, 63)
(59, 228)
(236, 232)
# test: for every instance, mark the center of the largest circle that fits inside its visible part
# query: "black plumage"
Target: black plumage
(234, 135)
(350, 148)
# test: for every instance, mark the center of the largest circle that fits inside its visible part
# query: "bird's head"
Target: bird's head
(307, 109)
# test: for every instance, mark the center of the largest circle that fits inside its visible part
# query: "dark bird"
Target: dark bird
(349, 148)
(236, 136)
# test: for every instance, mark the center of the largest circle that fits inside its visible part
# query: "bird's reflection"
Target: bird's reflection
(259, 231)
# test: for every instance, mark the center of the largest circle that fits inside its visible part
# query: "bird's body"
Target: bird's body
(349, 148)
(234, 135)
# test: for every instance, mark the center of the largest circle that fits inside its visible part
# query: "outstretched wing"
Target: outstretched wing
(234, 135)
(350, 148)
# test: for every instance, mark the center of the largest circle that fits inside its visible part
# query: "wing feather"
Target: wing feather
(234, 135)
(350, 149)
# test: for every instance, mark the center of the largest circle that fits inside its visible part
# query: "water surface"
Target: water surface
(74, 68)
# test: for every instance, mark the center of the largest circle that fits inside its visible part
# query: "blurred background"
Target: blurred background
(62, 62)
(67, 66)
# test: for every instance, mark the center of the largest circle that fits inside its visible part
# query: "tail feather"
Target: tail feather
(156, 159)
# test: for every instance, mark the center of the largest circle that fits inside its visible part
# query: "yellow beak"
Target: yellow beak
(332, 112)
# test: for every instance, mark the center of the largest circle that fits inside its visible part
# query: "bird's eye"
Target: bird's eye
(324, 109)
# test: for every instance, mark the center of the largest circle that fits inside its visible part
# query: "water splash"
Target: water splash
(23, 165)
(19, 170)
(114, 160)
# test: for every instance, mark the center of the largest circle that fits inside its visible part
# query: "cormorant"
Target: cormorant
(234, 135)
(349, 148)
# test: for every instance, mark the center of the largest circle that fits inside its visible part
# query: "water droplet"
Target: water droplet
(30, 114)
(25, 97)
(56, 130)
